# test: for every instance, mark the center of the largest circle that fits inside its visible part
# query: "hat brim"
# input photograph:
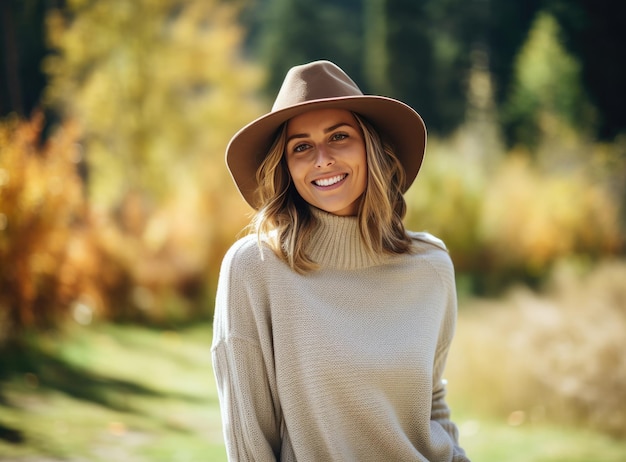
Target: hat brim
(396, 122)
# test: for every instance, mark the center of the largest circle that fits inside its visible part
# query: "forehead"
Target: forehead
(318, 119)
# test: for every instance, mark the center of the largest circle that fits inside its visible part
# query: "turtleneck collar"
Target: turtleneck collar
(336, 243)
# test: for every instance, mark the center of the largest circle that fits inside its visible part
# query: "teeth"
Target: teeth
(329, 181)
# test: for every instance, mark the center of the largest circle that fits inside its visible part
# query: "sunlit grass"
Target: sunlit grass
(144, 395)
(130, 393)
(490, 440)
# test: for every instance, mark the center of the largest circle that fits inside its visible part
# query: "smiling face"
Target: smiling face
(326, 158)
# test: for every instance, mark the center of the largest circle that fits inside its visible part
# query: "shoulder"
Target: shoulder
(426, 241)
(248, 255)
(242, 271)
(431, 249)
(245, 249)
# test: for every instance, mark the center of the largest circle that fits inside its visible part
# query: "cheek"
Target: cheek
(295, 170)
(361, 161)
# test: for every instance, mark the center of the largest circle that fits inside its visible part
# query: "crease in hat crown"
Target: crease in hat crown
(318, 80)
(323, 85)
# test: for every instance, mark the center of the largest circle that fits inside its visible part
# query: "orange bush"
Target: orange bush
(61, 257)
(42, 211)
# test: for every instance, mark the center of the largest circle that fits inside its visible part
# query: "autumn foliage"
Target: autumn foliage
(62, 256)
(125, 209)
(42, 222)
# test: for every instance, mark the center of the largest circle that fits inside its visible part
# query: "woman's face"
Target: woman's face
(326, 159)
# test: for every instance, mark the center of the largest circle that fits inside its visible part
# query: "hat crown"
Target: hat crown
(314, 81)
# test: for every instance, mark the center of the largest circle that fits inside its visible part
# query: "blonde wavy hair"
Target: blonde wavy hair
(284, 219)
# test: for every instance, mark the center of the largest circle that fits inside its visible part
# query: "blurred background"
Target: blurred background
(116, 209)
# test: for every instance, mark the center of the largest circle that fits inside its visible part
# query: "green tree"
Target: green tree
(21, 50)
(158, 87)
(375, 59)
(423, 51)
(297, 31)
(594, 31)
(503, 31)
(547, 83)
(428, 61)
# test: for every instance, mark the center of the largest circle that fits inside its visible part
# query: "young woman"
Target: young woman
(332, 322)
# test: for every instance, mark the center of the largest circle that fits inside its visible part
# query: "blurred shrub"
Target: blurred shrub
(161, 259)
(507, 214)
(532, 218)
(510, 217)
(42, 211)
(447, 199)
(557, 356)
(61, 256)
(153, 91)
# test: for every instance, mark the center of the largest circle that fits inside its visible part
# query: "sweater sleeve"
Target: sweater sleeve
(243, 359)
(440, 412)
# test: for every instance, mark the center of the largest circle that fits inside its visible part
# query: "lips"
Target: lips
(325, 182)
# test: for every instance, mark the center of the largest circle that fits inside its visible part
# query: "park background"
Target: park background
(116, 209)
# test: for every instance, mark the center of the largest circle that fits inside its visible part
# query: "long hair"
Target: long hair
(284, 219)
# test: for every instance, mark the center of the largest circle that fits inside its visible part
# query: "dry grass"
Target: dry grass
(556, 357)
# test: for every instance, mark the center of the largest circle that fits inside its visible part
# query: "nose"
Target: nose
(323, 159)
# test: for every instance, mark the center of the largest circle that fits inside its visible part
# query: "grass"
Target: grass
(490, 440)
(111, 392)
(136, 394)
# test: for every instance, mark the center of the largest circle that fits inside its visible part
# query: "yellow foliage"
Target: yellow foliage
(61, 256)
(531, 219)
(42, 207)
(158, 88)
(512, 215)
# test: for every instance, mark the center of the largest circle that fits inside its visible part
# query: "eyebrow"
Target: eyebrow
(326, 130)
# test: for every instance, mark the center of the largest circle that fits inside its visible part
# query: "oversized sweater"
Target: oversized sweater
(344, 363)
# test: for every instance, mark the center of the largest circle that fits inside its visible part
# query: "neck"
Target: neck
(336, 243)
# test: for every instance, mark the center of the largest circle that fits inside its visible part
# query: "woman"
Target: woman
(332, 323)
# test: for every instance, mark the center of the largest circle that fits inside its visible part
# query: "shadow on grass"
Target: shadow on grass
(40, 371)
(11, 435)
(125, 334)
(28, 367)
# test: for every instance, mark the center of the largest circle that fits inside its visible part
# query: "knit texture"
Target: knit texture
(341, 364)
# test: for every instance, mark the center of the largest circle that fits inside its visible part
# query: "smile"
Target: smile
(330, 181)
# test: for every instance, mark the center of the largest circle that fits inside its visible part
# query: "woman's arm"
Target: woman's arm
(440, 412)
(248, 418)
(243, 359)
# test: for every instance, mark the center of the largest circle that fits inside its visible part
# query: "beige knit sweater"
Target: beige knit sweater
(341, 364)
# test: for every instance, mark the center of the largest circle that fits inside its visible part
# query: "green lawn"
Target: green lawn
(128, 393)
(490, 441)
(111, 393)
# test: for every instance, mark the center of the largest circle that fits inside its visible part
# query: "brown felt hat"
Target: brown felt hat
(323, 85)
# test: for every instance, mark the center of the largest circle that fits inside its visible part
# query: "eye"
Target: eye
(339, 136)
(300, 147)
